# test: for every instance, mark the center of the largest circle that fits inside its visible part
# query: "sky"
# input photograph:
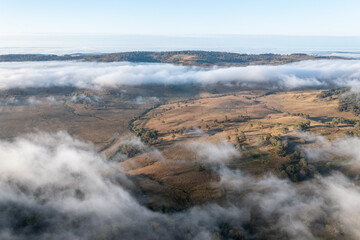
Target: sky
(42, 21)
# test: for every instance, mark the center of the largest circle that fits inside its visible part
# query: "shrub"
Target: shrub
(302, 126)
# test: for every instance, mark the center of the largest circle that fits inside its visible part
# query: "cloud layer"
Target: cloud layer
(324, 73)
(53, 186)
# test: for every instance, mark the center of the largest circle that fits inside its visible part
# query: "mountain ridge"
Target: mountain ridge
(185, 58)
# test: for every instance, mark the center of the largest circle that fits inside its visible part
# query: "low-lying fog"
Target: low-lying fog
(322, 73)
(53, 186)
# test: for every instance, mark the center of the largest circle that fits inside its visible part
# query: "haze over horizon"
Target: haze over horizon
(237, 26)
(69, 44)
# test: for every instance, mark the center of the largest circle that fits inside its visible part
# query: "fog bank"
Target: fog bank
(53, 186)
(307, 74)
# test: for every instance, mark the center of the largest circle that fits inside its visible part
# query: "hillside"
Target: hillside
(187, 58)
(195, 149)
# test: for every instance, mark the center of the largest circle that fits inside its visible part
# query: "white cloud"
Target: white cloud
(322, 73)
(322, 149)
(83, 98)
(345, 195)
(219, 153)
(146, 100)
(53, 186)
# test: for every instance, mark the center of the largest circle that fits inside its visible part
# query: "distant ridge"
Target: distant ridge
(186, 58)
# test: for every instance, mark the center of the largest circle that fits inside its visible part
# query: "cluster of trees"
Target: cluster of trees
(130, 150)
(304, 115)
(352, 133)
(242, 118)
(338, 120)
(147, 136)
(349, 103)
(281, 146)
(298, 169)
(168, 109)
(302, 126)
(239, 139)
(284, 130)
(182, 130)
(332, 92)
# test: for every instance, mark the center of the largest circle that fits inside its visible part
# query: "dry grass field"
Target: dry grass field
(94, 121)
(222, 116)
(219, 118)
(169, 171)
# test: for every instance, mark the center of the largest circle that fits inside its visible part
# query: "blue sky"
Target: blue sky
(185, 17)
(249, 26)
